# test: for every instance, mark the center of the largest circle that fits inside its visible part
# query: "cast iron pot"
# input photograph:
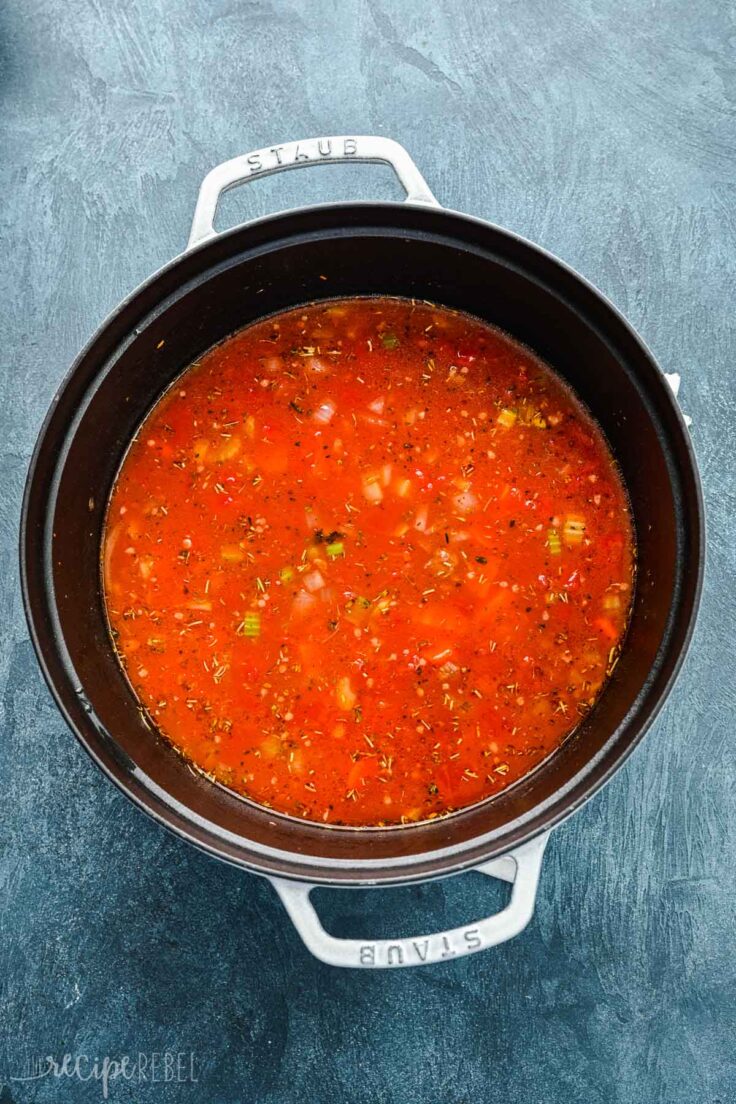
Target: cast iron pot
(224, 281)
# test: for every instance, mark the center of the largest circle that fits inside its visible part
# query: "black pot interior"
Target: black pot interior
(275, 265)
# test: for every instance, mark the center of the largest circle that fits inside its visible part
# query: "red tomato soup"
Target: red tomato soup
(368, 562)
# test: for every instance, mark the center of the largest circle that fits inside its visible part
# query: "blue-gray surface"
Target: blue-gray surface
(603, 129)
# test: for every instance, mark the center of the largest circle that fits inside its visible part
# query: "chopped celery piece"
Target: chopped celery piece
(346, 696)
(553, 542)
(507, 418)
(251, 625)
(574, 530)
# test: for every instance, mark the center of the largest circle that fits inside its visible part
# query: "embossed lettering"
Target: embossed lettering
(448, 951)
(324, 146)
(368, 954)
(300, 155)
(422, 949)
(349, 147)
(276, 151)
(472, 938)
(395, 955)
(254, 162)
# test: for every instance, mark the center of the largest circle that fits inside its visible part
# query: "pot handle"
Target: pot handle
(520, 867)
(296, 155)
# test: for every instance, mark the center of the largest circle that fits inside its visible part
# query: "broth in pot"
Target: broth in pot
(368, 562)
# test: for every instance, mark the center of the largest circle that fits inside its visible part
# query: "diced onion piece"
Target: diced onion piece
(145, 566)
(324, 413)
(313, 581)
(443, 562)
(611, 602)
(372, 489)
(403, 488)
(374, 420)
(315, 365)
(553, 542)
(303, 602)
(229, 449)
(346, 696)
(386, 472)
(250, 426)
(420, 519)
(202, 604)
(439, 654)
(232, 553)
(465, 502)
(377, 406)
(410, 417)
(573, 530)
(270, 747)
(296, 762)
(507, 418)
(447, 669)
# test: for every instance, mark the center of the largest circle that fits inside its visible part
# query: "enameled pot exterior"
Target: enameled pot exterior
(417, 250)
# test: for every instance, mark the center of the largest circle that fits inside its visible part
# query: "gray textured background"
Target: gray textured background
(604, 129)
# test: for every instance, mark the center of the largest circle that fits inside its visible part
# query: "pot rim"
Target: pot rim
(363, 872)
